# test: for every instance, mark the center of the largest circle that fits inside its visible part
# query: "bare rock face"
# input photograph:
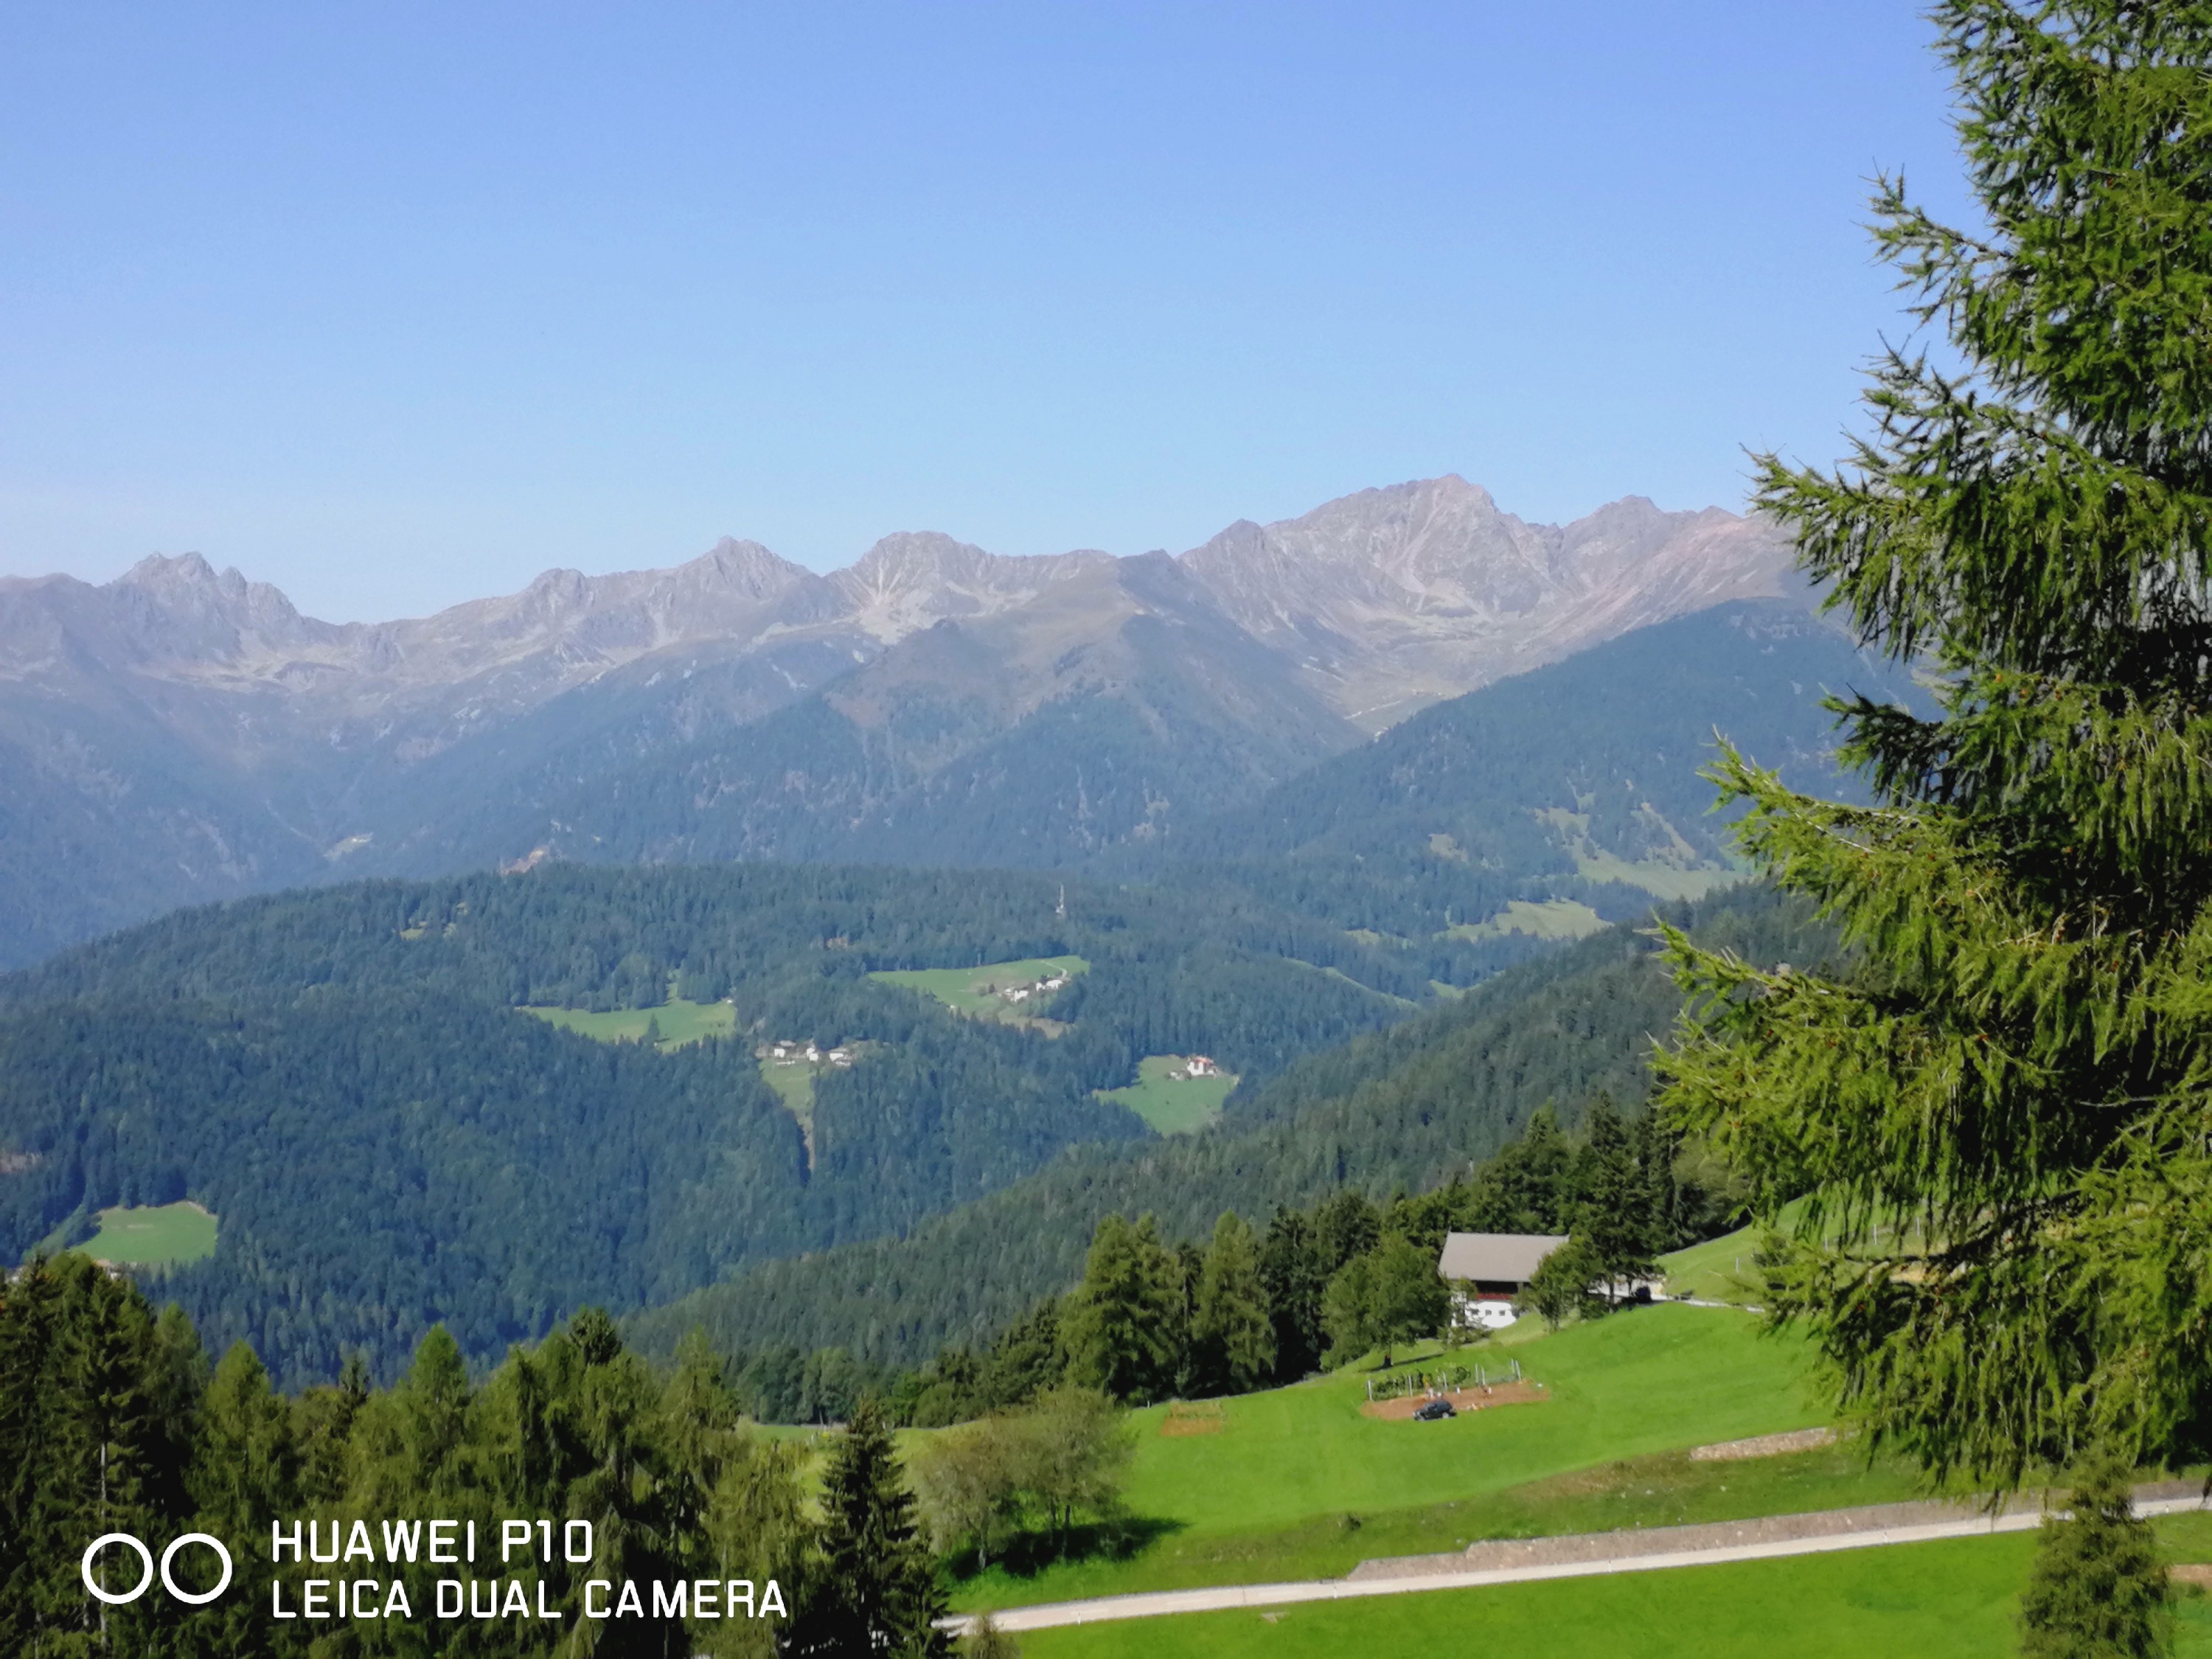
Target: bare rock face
(1392, 600)
(1385, 600)
(916, 579)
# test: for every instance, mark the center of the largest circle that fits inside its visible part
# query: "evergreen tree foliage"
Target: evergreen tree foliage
(2001, 1114)
(1291, 1272)
(1345, 1226)
(875, 1588)
(1614, 1211)
(1231, 1329)
(2098, 1589)
(270, 1061)
(1123, 1324)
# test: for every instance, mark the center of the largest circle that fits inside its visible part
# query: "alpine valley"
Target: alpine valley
(176, 735)
(770, 939)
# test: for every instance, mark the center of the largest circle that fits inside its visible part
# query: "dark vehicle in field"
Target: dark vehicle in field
(1435, 1412)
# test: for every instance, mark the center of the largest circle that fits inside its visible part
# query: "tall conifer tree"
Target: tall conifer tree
(875, 1589)
(2098, 1589)
(1230, 1327)
(2003, 1110)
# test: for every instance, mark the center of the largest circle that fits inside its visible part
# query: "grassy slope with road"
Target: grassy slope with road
(1298, 1484)
(1950, 1600)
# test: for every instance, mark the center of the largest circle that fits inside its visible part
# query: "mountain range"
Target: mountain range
(180, 734)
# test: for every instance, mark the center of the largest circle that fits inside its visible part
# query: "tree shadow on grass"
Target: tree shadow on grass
(1026, 1554)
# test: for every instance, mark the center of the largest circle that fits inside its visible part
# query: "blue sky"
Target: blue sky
(397, 305)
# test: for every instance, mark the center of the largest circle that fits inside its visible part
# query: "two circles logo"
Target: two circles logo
(191, 1598)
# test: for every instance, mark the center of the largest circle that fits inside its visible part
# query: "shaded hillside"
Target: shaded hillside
(1578, 781)
(1404, 1109)
(1115, 706)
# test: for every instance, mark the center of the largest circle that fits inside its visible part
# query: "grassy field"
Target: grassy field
(975, 991)
(1676, 873)
(794, 1086)
(1173, 1106)
(1298, 1484)
(153, 1237)
(1722, 1270)
(1952, 1599)
(1945, 1601)
(680, 1022)
(1718, 1270)
(1553, 919)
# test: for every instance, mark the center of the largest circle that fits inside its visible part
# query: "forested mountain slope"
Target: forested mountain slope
(1576, 782)
(1402, 1108)
(342, 1076)
(1115, 703)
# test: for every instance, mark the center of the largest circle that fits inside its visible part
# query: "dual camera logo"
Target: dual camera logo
(191, 1598)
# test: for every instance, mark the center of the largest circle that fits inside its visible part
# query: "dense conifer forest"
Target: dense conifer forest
(342, 1077)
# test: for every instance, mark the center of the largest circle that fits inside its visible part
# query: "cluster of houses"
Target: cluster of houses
(1489, 1273)
(810, 1053)
(1193, 1065)
(1041, 988)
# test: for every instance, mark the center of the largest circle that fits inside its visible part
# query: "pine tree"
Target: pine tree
(245, 1475)
(1290, 1267)
(1123, 1324)
(1610, 1207)
(1998, 1104)
(1230, 1327)
(1345, 1226)
(2098, 1589)
(875, 1588)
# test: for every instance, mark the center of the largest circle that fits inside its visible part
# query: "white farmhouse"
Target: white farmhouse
(1488, 1273)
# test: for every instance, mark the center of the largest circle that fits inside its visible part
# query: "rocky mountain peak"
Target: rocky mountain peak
(913, 580)
(1396, 597)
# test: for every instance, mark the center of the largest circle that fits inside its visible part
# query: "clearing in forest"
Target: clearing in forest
(1672, 871)
(1011, 993)
(789, 1066)
(152, 1235)
(1176, 1094)
(1553, 919)
(679, 1022)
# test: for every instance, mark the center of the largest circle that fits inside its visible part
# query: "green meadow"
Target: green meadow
(152, 1235)
(1950, 1600)
(1296, 1483)
(975, 991)
(794, 1086)
(1173, 1106)
(1943, 1601)
(680, 1022)
(1723, 1269)
(1718, 1270)
(1553, 919)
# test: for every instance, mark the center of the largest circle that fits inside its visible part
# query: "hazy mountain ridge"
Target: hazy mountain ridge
(191, 735)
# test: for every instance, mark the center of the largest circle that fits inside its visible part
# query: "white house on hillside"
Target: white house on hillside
(1488, 1271)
